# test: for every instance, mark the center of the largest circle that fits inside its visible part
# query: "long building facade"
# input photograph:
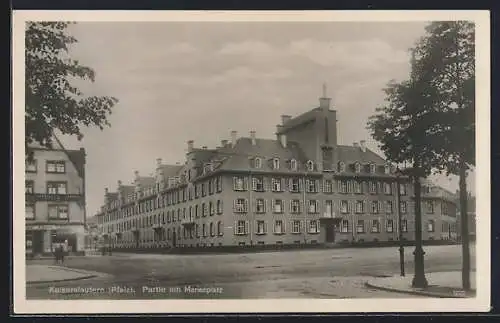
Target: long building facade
(300, 188)
(55, 199)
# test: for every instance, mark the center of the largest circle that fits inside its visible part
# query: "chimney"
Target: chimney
(285, 118)
(119, 183)
(136, 173)
(106, 191)
(158, 161)
(324, 101)
(283, 140)
(280, 136)
(204, 147)
(190, 145)
(223, 143)
(233, 137)
(252, 136)
(355, 144)
(362, 145)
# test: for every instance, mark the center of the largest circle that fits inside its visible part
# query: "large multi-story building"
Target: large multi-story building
(300, 188)
(55, 199)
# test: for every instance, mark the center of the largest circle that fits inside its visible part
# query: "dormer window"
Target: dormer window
(293, 164)
(357, 167)
(373, 168)
(310, 165)
(257, 162)
(276, 163)
(341, 167)
(387, 169)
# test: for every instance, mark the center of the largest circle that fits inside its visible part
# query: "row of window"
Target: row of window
(296, 185)
(51, 166)
(374, 226)
(241, 205)
(211, 229)
(55, 212)
(52, 187)
(274, 163)
(204, 209)
(242, 227)
(198, 190)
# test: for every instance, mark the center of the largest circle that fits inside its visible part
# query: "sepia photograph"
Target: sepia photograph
(249, 162)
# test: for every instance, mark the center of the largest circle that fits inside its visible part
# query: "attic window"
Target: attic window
(387, 169)
(310, 165)
(357, 167)
(293, 164)
(276, 163)
(341, 167)
(257, 162)
(373, 168)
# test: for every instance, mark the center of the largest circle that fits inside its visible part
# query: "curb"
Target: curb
(59, 280)
(411, 292)
(85, 275)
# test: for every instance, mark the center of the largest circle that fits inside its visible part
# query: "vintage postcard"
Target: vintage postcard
(230, 162)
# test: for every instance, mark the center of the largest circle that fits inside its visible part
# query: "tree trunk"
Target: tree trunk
(464, 226)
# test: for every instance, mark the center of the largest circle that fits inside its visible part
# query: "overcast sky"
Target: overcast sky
(178, 81)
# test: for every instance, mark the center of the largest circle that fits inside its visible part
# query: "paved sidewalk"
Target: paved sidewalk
(441, 284)
(51, 274)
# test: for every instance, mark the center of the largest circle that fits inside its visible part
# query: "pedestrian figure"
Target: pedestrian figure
(61, 254)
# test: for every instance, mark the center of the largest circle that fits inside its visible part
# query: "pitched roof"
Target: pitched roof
(170, 170)
(146, 181)
(352, 154)
(238, 157)
(127, 189)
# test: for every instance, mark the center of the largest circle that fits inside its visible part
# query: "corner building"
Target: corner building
(55, 199)
(300, 188)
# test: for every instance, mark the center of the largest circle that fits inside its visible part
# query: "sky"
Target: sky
(180, 81)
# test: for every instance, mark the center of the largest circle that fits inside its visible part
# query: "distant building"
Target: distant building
(55, 199)
(300, 188)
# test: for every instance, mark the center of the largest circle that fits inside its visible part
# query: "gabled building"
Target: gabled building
(301, 187)
(55, 199)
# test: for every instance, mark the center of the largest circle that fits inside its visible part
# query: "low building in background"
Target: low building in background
(302, 187)
(55, 199)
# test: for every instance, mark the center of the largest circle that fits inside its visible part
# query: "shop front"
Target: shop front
(43, 239)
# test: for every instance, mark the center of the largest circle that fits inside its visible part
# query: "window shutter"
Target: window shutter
(301, 206)
(245, 183)
(234, 183)
(254, 184)
(318, 226)
(316, 185)
(256, 226)
(265, 206)
(246, 205)
(290, 184)
(367, 226)
(235, 228)
(290, 206)
(339, 186)
(380, 207)
(234, 206)
(350, 225)
(317, 206)
(274, 226)
(247, 226)
(284, 226)
(301, 185)
(323, 186)
(350, 207)
(283, 184)
(265, 226)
